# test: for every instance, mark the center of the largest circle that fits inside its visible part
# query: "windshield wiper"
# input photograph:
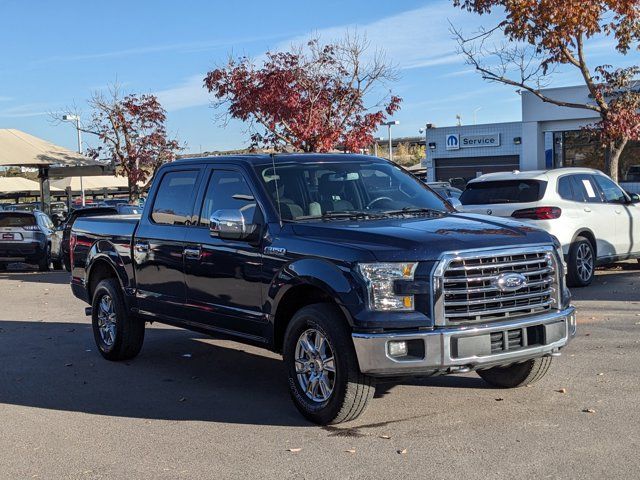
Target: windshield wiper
(331, 215)
(413, 211)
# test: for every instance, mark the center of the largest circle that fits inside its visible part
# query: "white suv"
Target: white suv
(593, 218)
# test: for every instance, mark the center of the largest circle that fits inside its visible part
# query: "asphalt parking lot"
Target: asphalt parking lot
(192, 407)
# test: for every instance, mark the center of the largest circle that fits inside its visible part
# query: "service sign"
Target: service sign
(473, 141)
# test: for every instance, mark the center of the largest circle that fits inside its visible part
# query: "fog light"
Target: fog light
(397, 349)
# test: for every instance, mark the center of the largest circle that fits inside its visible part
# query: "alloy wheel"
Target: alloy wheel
(315, 365)
(584, 262)
(107, 320)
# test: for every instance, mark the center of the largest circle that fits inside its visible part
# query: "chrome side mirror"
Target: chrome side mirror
(228, 224)
(455, 203)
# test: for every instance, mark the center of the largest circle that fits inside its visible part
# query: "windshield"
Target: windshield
(347, 189)
(503, 191)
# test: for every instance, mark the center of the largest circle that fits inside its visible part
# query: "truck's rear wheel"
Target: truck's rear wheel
(324, 378)
(118, 334)
(518, 374)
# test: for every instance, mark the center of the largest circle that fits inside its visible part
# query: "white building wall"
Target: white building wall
(539, 117)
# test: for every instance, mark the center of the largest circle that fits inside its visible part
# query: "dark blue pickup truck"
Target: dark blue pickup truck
(349, 266)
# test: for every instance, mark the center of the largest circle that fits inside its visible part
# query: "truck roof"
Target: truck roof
(266, 159)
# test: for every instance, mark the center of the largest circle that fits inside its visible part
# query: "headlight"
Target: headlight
(380, 279)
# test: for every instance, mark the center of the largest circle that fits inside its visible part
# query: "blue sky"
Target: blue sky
(57, 53)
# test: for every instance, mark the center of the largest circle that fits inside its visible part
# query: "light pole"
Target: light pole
(76, 119)
(476, 110)
(389, 125)
(459, 120)
(375, 145)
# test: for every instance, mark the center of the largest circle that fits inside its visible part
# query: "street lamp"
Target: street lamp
(375, 145)
(476, 110)
(76, 119)
(389, 124)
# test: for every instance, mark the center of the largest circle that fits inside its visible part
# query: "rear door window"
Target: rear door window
(585, 189)
(503, 191)
(173, 204)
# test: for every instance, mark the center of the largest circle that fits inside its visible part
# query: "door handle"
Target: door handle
(194, 253)
(587, 209)
(142, 247)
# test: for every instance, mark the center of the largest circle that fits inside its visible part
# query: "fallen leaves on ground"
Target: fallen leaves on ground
(588, 410)
(294, 450)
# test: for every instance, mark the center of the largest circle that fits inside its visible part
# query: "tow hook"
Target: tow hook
(88, 311)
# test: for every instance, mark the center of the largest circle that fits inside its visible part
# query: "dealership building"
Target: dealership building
(548, 136)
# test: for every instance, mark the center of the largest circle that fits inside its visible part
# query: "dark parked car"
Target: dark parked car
(64, 232)
(445, 190)
(28, 236)
(346, 264)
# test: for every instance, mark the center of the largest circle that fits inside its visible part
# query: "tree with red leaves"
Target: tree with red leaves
(311, 98)
(131, 129)
(547, 34)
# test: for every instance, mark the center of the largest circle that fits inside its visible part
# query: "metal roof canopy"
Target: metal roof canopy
(21, 149)
(10, 186)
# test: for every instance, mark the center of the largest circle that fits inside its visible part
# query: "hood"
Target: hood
(414, 239)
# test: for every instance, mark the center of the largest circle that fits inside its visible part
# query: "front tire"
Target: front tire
(325, 382)
(581, 263)
(118, 334)
(516, 375)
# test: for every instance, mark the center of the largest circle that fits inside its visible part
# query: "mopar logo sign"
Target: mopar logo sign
(453, 141)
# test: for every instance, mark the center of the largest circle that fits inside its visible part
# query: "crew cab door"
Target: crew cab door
(223, 277)
(158, 244)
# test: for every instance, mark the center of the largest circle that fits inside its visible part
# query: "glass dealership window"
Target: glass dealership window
(579, 149)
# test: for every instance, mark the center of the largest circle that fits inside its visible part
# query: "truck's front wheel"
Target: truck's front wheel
(518, 374)
(118, 334)
(324, 378)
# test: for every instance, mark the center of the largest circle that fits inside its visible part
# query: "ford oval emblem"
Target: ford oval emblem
(510, 282)
(489, 212)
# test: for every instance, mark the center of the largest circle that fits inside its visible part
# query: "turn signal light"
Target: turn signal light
(538, 213)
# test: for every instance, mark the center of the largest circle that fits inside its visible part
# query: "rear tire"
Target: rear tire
(45, 262)
(518, 374)
(581, 263)
(118, 334)
(304, 356)
(57, 264)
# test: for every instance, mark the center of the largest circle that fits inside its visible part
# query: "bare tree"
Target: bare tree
(131, 130)
(538, 36)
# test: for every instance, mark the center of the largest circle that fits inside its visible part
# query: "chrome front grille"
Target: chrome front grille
(468, 291)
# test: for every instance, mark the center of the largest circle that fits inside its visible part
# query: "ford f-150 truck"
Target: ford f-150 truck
(346, 264)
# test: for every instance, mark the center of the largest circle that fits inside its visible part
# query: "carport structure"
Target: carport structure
(20, 149)
(16, 187)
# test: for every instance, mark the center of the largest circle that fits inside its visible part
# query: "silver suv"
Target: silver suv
(28, 237)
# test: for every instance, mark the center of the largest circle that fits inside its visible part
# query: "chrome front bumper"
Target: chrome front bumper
(464, 348)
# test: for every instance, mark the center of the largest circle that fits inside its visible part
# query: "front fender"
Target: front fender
(336, 282)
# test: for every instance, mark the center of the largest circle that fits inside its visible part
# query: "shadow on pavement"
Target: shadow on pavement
(177, 376)
(47, 365)
(59, 277)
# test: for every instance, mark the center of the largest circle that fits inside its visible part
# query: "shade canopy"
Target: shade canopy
(91, 183)
(20, 149)
(12, 185)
